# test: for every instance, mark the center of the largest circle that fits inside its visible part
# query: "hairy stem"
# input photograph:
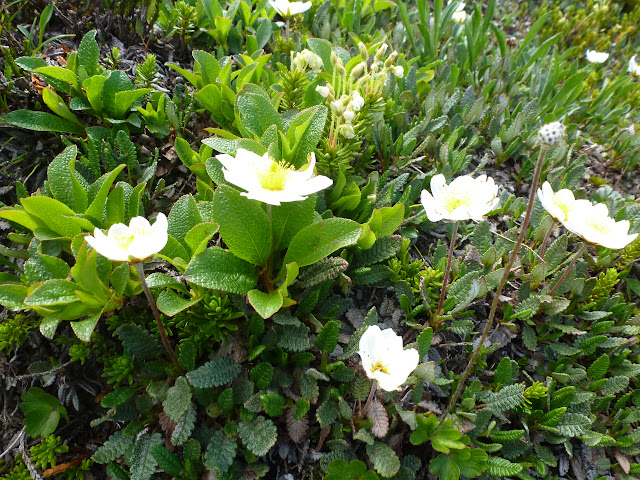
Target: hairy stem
(569, 267)
(445, 280)
(374, 387)
(503, 281)
(156, 314)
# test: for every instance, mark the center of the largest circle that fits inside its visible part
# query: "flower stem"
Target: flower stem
(503, 281)
(372, 392)
(140, 269)
(569, 267)
(447, 272)
(546, 239)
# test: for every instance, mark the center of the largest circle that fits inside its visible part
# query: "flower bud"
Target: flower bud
(552, 134)
(357, 70)
(381, 51)
(334, 57)
(357, 102)
(391, 59)
(364, 54)
(398, 71)
(348, 115)
(347, 131)
(324, 91)
(337, 107)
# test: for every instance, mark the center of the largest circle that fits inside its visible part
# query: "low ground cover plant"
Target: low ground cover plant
(353, 239)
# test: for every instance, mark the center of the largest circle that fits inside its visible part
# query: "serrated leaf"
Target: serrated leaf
(507, 398)
(327, 413)
(221, 451)
(182, 431)
(215, 373)
(259, 435)
(168, 461)
(273, 403)
(384, 459)
(143, 464)
(501, 467)
(118, 397)
(261, 375)
(297, 428)
(221, 270)
(599, 367)
(138, 342)
(383, 249)
(327, 338)
(573, 424)
(503, 372)
(293, 338)
(178, 399)
(380, 420)
(116, 446)
(424, 341)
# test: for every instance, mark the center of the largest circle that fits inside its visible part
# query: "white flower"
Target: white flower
(384, 359)
(307, 58)
(133, 243)
(558, 204)
(357, 102)
(463, 199)
(324, 91)
(593, 223)
(287, 8)
(596, 57)
(459, 15)
(347, 130)
(634, 68)
(398, 71)
(348, 116)
(552, 134)
(269, 181)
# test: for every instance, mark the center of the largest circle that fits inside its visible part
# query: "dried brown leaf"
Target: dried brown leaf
(378, 415)
(623, 461)
(297, 429)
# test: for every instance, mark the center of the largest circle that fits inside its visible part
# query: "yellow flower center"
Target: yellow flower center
(379, 367)
(275, 176)
(599, 225)
(453, 200)
(561, 205)
(124, 239)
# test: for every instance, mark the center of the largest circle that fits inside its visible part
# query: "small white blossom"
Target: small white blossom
(465, 198)
(133, 243)
(596, 57)
(324, 91)
(557, 204)
(384, 359)
(269, 181)
(348, 115)
(593, 223)
(287, 9)
(398, 71)
(357, 102)
(347, 130)
(552, 134)
(459, 15)
(634, 68)
(307, 58)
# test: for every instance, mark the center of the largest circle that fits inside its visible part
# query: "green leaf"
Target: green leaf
(89, 54)
(503, 373)
(55, 214)
(424, 341)
(138, 342)
(215, 373)
(327, 413)
(293, 338)
(187, 354)
(339, 469)
(178, 399)
(244, 225)
(182, 433)
(96, 210)
(116, 446)
(327, 338)
(259, 435)
(598, 369)
(221, 270)
(574, 424)
(118, 397)
(53, 292)
(322, 48)
(143, 464)
(266, 304)
(289, 218)
(184, 216)
(57, 106)
(221, 451)
(261, 375)
(198, 237)
(41, 412)
(383, 249)
(554, 255)
(168, 461)
(63, 183)
(385, 221)
(305, 132)
(256, 113)
(321, 239)
(40, 268)
(170, 303)
(273, 403)
(384, 459)
(501, 467)
(41, 122)
(13, 296)
(84, 328)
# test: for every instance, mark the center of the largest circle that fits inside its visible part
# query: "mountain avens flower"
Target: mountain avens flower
(133, 243)
(593, 223)
(287, 9)
(634, 68)
(384, 359)
(596, 57)
(552, 134)
(269, 181)
(459, 15)
(465, 198)
(557, 204)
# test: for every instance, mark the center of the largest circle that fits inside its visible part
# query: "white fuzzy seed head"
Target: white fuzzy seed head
(552, 134)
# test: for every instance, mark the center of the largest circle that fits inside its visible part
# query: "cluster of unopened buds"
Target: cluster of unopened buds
(307, 59)
(345, 99)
